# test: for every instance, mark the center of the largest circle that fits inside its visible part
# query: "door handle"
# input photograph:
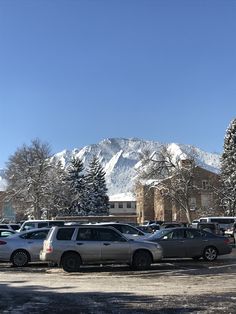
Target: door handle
(106, 244)
(79, 243)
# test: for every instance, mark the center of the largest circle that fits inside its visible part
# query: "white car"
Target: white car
(22, 248)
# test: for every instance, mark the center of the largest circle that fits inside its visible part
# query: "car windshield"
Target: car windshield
(158, 234)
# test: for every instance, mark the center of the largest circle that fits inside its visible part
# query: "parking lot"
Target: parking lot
(172, 286)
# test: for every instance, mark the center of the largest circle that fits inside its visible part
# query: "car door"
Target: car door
(195, 242)
(88, 245)
(114, 247)
(33, 242)
(173, 243)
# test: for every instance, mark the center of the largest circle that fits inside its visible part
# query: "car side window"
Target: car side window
(174, 235)
(129, 230)
(37, 235)
(192, 234)
(28, 226)
(42, 224)
(109, 235)
(85, 234)
(65, 234)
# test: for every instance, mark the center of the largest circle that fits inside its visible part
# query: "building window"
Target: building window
(120, 205)
(205, 185)
(112, 205)
(128, 204)
(192, 203)
(207, 200)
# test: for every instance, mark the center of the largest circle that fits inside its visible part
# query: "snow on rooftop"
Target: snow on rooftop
(123, 197)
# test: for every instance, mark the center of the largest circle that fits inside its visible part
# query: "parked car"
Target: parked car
(10, 226)
(5, 226)
(22, 248)
(73, 246)
(6, 233)
(34, 224)
(14, 226)
(190, 242)
(127, 230)
(210, 227)
(170, 224)
(145, 229)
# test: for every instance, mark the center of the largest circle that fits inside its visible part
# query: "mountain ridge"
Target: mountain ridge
(120, 156)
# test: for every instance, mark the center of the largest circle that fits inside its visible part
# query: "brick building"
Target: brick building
(151, 205)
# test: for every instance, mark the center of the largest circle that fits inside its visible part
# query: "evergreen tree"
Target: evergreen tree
(59, 196)
(228, 169)
(97, 199)
(76, 180)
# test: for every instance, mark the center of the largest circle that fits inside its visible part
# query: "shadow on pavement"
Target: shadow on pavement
(37, 299)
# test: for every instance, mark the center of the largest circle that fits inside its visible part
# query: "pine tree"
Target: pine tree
(228, 169)
(97, 199)
(59, 198)
(76, 181)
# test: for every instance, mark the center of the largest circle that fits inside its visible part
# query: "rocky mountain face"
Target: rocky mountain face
(120, 157)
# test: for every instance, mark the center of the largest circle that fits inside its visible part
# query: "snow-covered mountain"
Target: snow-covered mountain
(120, 156)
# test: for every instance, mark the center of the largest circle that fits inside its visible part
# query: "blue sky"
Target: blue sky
(74, 72)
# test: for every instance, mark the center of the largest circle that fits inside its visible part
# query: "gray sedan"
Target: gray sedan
(189, 242)
(22, 248)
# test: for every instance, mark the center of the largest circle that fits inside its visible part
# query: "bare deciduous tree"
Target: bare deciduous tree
(27, 175)
(172, 176)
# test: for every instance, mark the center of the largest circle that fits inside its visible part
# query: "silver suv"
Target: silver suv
(73, 246)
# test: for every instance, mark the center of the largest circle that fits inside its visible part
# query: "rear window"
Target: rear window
(65, 233)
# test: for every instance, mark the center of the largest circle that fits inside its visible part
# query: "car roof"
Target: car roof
(33, 230)
(8, 230)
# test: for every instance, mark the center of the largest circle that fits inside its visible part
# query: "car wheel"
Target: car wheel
(20, 258)
(210, 253)
(70, 262)
(141, 260)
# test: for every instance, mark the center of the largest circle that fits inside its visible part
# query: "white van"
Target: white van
(223, 221)
(32, 224)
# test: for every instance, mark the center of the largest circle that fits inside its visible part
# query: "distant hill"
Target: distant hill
(120, 156)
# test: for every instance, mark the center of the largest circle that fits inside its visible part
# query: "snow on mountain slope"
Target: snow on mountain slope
(120, 157)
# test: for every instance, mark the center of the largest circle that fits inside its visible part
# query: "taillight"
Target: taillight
(49, 249)
(226, 240)
(2, 242)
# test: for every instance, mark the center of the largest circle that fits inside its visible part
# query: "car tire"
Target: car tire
(70, 262)
(210, 253)
(20, 258)
(141, 260)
